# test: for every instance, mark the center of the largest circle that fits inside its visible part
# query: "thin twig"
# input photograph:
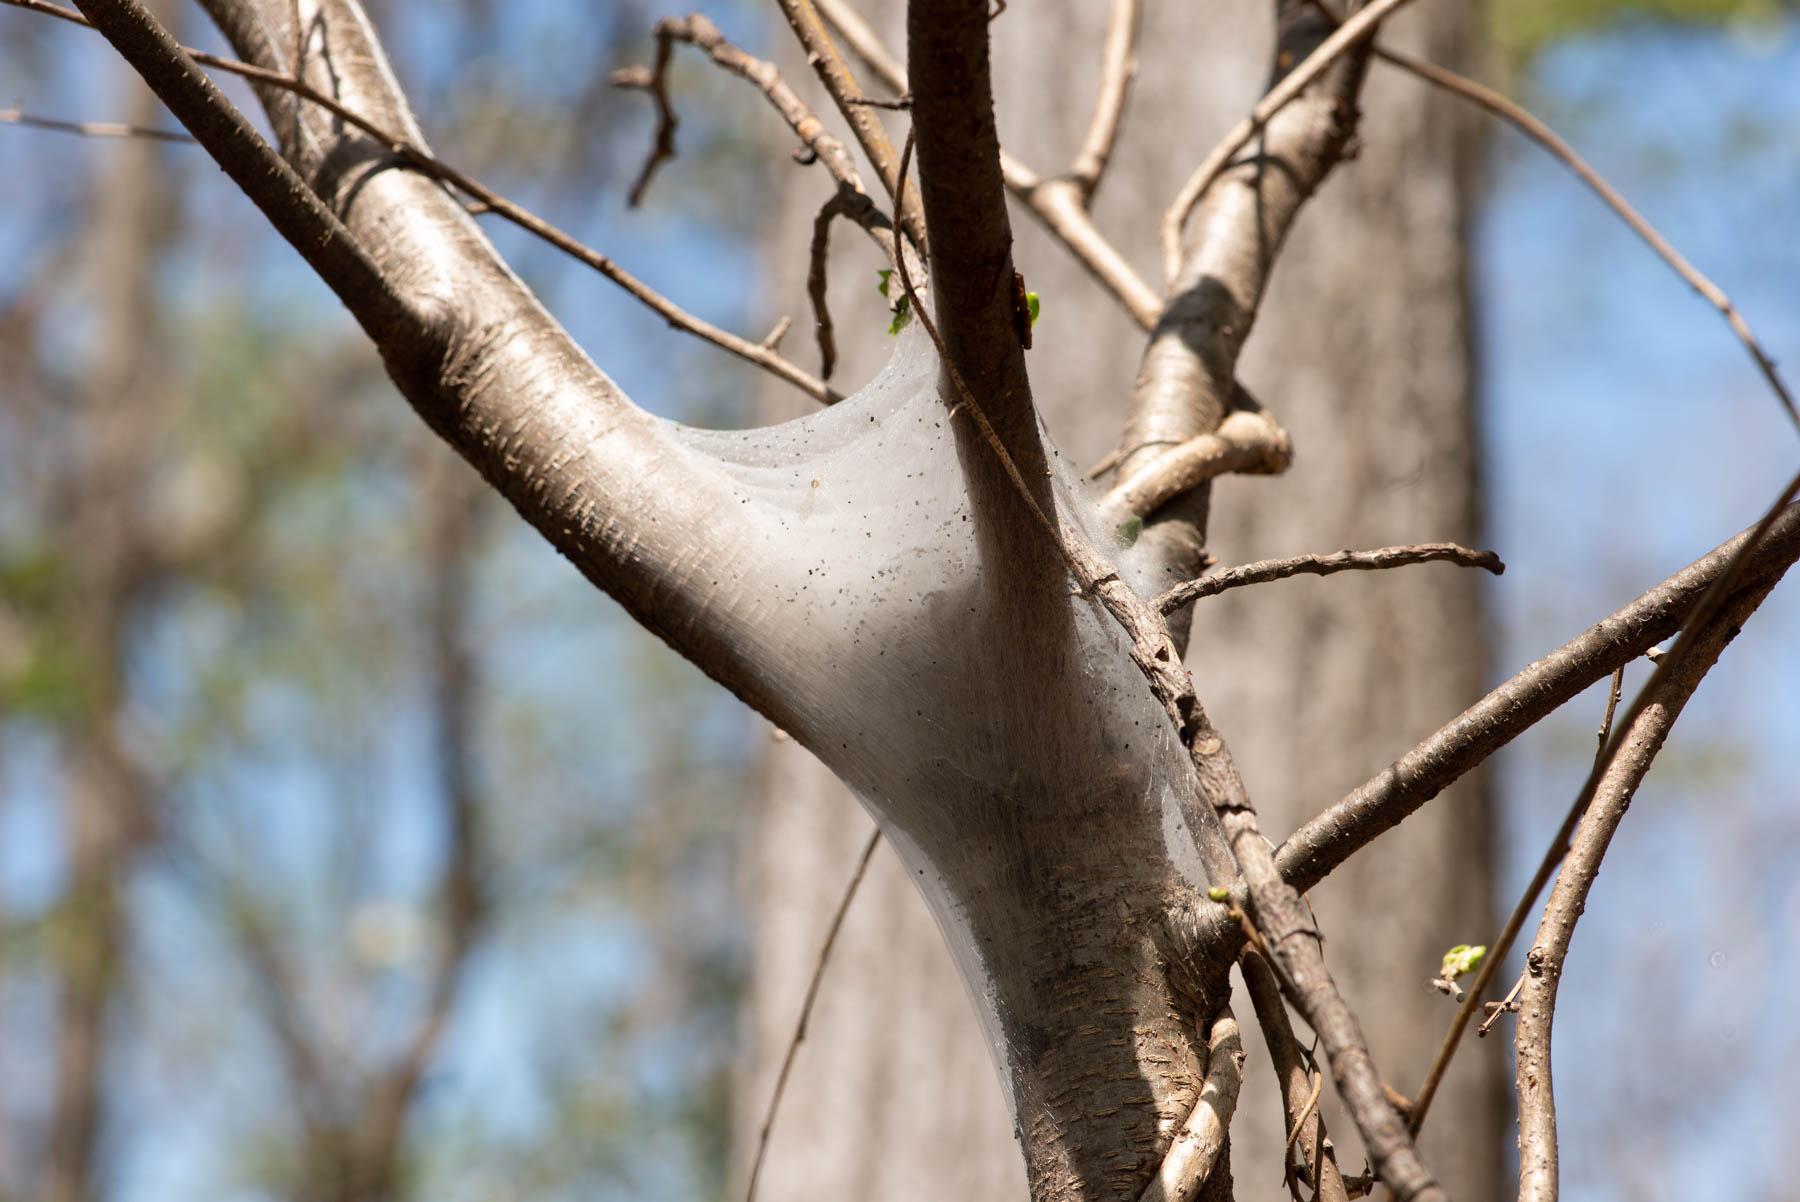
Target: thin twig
(1265, 570)
(1352, 31)
(1639, 742)
(1496, 1009)
(1118, 65)
(843, 89)
(1692, 631)
(702, 34)
(427, 163)
(816, 279)
(1057, 203)
(1615, 690)
(1529, 125)
(92, 129)
(806, 1009)
(1300, 1088)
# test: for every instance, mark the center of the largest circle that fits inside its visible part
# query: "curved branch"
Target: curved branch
(1356, 29)
(1310, 853)
(1200, 1143)
(1638, 746)
(1118, 65)
(1527, 123)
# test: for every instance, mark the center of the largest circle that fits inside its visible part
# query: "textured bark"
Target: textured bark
(1362, 351)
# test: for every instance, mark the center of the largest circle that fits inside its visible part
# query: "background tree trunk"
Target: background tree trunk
(1364, 353)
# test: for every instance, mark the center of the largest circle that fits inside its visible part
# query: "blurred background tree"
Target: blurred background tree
(295, 833)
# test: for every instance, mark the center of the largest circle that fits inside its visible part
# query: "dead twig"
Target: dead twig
(1693, 632)
(1528, 124)
(425, 162)
(806, 1009)
(847, 94)
(1266, 570)
(92, 129)
(1058, 203)
(695, 30)
(1638, 743)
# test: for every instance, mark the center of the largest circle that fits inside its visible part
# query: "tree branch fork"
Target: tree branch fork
(745, 552)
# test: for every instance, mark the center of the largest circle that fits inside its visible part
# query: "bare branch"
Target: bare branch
(964, 199)
(817, 278)
(1672, 666)
(697, 31)
(655, 81)
(848, 95)
(1300, 1086)
(91, 129)
(1310, 853)
(864, 42)
(1636, 750)
(417, 156)
(1186, 380)
(1057, 203)
(806, 1009)
(1263, 571)
(1118, 67)
(1528, 124)
(1200, 1143)
(1358, 28)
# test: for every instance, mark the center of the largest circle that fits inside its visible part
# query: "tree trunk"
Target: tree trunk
(1363, 352)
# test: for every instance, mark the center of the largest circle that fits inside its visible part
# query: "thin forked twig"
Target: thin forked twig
(843, 89)
(1057, 203)
(1352, 31)
(1300, 1087)
(1640, 742)
(695, 30)
(91, 129)
(424, 161)
(806, 1009)
(1693, 630)
(1265, 570)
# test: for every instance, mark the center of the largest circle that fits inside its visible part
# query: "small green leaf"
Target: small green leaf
(1031, 303)
(902, 315)
(1219, 893)
(1129, 529)
(884, 273)
(1462, 959)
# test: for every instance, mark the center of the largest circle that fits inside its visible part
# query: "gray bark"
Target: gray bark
(1363, 351)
